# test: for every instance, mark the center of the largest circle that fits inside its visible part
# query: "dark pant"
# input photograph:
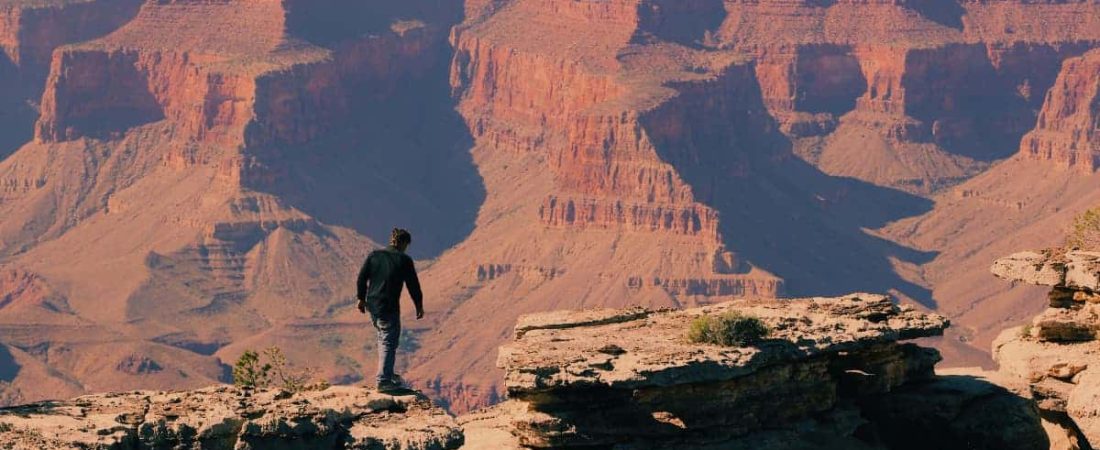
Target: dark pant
(388, 324)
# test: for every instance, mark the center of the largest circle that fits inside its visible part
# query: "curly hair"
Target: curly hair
(400, 237)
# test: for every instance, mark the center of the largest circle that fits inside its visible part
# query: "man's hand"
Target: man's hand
(362, 306)
(419, 313)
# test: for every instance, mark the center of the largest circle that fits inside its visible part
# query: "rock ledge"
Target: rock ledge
(226, 417)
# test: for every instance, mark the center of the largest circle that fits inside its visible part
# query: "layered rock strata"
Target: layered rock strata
(1058, 353)
(166, 147)
(29, 32)
(1067, 129)
(228, 417)
(896, 83)
(831, 374)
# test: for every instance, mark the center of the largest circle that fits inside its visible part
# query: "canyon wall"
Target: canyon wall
(29, 32)
(905, 108)
(163, 146)
(640, 121)
(1066, 132)
(201, 178)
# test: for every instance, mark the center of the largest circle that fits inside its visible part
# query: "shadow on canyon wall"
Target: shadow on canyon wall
(326, 22)
(974, 107)
(9, 368)
(401, 156)
(777, 211)
(948, 13)
(17, 109)
(402, 160)
(683, 22)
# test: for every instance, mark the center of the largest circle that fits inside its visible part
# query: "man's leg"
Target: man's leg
(389, 335)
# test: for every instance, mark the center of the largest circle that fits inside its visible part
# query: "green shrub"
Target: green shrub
(1085, 232)
(1025, 331)
(249, 372)
(730, 329)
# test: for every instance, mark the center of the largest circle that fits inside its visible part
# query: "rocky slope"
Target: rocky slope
(227, 417)
(1057, 354)
(832, 374)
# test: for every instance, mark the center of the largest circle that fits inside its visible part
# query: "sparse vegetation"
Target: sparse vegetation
(730, 329)
(1025, 331)
(1085, 232)
(248, 372)
(251, 371)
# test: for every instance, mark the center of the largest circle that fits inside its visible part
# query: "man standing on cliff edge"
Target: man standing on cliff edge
(378, 290)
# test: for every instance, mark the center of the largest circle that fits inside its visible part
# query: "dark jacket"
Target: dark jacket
(381, 278)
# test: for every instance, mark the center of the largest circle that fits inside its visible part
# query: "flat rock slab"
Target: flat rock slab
(1032, 268)
(1077, 270)
(228, 417)
(639, 349)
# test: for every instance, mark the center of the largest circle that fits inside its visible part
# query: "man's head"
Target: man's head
(400, 239)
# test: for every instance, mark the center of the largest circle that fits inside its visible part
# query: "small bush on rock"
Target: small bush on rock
(730, 329)
(1085, 233)
(249, 372)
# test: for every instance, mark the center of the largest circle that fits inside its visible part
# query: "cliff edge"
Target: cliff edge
(229, 417)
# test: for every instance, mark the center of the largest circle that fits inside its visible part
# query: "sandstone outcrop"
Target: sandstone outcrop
(1058, 353)
(229, 417)
(830, 374)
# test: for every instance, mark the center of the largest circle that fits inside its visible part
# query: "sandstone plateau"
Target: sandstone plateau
(182, 180)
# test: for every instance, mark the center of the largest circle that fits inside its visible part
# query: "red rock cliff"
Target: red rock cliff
(1068, 128)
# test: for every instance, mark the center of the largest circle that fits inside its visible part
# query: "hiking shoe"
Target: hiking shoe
(389, 386)
(397, 379)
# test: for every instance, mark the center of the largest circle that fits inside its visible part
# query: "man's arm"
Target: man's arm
(361, 284)
(413, 283)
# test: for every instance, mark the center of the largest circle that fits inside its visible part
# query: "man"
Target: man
(379, 289)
